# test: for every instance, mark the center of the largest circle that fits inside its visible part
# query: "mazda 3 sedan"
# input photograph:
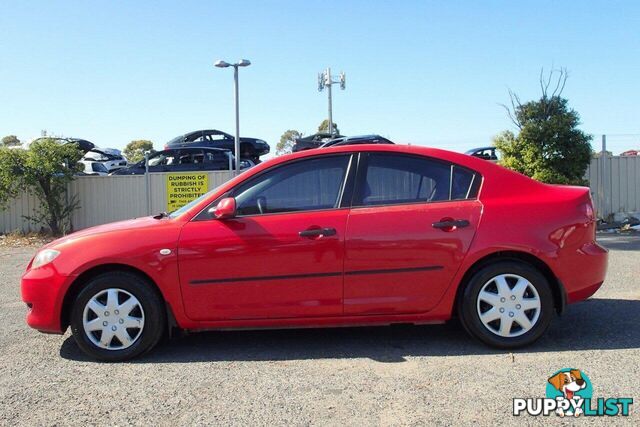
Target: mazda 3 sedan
(351, 235)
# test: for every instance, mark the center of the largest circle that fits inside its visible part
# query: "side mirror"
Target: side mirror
(225, 209)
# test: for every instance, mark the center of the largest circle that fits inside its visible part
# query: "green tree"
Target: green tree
(11, 161)
(286, 141)
(11, 141)
(45, 170)
(324, 127)
(134, 151)
(548, 145)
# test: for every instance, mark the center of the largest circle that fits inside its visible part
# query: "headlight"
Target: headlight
(44, 257)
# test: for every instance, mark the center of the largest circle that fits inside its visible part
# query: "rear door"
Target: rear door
(410, 226)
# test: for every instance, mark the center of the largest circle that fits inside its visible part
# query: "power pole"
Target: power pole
(325, 80)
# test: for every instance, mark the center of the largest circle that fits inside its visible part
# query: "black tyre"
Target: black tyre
(117, 316)
(506, 304)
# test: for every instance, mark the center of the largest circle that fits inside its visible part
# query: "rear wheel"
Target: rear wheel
(117, 316)
(507, 304)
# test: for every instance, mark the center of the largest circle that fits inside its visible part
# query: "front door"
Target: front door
(280, 257)
(411, 224)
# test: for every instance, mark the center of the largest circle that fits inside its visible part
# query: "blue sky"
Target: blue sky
(420, 72)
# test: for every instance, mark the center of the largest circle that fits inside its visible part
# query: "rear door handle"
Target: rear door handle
(318, 232)
(454, 223)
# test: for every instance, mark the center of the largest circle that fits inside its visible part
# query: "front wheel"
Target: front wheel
(507, 304)
(117, 316)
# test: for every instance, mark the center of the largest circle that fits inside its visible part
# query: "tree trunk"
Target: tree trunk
(53, 220)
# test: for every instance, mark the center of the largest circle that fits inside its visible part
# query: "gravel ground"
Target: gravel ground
(356, 376)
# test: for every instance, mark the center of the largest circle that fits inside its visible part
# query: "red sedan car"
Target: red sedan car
(353, 235)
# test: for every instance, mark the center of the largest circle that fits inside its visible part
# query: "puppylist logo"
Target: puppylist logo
(569, 393)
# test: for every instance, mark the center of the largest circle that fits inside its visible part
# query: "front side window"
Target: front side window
(305, 185)
(399, 179)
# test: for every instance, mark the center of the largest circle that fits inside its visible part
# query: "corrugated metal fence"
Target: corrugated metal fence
(102, 199)
(614, 182)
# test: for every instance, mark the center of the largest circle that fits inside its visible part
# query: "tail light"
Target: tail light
(587, 210)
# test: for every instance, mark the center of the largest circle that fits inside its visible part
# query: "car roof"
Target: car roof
(353, 140)
(202, 132)
(194, 148)
(473, 150)
(356, 137)
(320, 135)
(195, 132)
(371, 136)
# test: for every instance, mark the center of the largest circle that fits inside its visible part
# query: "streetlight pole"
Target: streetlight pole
(325, 80)
(236, 145)
(328, 73)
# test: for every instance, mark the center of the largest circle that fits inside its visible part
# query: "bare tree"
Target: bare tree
(558, 77)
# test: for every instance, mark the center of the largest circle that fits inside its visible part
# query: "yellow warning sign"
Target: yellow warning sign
(184, 187)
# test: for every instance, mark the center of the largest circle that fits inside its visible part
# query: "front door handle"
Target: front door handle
(318, 232)
(450, 224)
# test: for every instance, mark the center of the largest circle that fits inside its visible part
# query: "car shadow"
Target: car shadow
(596, 324)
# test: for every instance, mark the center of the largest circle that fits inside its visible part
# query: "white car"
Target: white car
(111, 158)
(90, 167)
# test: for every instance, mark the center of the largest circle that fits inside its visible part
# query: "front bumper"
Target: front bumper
(43, 291)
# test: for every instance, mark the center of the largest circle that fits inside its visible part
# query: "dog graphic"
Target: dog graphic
(568, 383)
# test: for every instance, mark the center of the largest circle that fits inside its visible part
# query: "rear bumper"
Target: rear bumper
(583, 271)
(43, 291)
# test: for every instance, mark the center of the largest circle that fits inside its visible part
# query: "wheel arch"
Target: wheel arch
(77, 285)
(557, 288)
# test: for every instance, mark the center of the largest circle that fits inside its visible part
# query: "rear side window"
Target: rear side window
(463, 185)
(399, 179)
